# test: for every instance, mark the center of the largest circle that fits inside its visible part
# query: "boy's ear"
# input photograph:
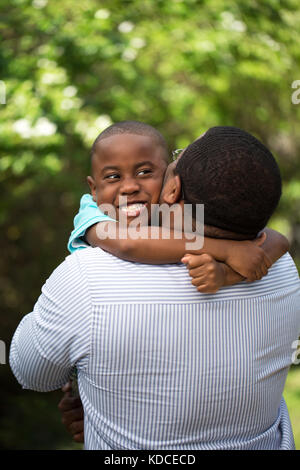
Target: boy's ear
(172, 190)
(92, 185)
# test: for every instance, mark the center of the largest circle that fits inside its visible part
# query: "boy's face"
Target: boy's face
(131, 166)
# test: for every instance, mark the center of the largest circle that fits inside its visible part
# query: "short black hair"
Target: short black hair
(132, 127)
(236, 178)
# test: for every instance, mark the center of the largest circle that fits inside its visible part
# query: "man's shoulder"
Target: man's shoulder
(90, 254)
(171, 282)
(110, 277)
(95, 256)
(282, 276)
(286, 265)
(96, 260)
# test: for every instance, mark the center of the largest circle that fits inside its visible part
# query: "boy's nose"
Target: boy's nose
(129, 186)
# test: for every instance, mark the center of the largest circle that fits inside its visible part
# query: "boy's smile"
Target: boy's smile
(128, 172)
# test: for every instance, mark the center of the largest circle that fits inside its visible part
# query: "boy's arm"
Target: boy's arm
(274, 245)
(208, 275)
(89, 214)
(156, 245)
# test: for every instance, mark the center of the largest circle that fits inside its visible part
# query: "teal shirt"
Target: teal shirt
(89, 214)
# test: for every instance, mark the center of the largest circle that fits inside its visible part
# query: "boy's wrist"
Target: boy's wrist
(231, 277)
(227, 250)
(90, 235)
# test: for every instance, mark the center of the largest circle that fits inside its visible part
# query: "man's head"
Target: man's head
(236, 178)
(129, 160)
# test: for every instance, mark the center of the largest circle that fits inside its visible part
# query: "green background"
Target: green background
(69, 69)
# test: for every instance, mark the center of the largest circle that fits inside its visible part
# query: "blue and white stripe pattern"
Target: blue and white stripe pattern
(161, 366)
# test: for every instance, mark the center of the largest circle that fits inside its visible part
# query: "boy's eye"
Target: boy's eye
(112, 176)
(144, 172)
(116, 176)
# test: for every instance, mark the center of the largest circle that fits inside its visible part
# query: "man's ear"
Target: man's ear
(92, 185)
(260, 239)
(172, 190)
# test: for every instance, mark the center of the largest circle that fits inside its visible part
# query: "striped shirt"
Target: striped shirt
(161, 366)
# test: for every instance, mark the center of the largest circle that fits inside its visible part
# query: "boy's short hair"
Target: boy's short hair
(132, 127)
(236, 178)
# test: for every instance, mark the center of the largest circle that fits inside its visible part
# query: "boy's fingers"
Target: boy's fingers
(266, 264)
(186, 259)
(191, 260)
(268, 261)
(257, 276)
(260, 273)
(265, 270)
(206, 289)
(194, 261)
(197, 272)
(198, 282)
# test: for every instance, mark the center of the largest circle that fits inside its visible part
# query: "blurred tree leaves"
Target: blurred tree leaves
(72, 68)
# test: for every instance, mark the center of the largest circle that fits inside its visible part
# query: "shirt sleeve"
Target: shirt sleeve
(54, 338)
(89, 214)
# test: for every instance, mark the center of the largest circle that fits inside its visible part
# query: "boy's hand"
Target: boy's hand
(208, 275)
(72, 413)
(248, 259)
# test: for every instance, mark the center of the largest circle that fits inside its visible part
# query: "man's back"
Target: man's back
(162, 366)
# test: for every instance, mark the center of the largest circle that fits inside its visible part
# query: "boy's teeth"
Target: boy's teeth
(132, 208)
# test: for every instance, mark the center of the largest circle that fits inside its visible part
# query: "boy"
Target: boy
(129, 160)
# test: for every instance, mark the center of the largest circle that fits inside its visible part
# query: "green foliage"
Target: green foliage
(72, 68)
(292, 398)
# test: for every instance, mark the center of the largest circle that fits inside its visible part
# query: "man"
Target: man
(161, 366)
